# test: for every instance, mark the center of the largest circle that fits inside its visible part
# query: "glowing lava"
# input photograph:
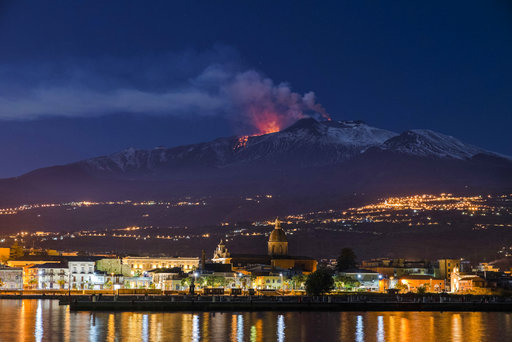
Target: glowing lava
(241, 142)
(269, 121)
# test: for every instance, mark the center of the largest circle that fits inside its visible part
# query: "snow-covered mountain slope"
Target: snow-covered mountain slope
(308, 142)
(309, 158)
(427, 143)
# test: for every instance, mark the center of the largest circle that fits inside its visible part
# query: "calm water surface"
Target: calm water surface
(45, 320)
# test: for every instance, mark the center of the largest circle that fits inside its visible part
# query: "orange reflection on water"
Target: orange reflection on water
(45, 320)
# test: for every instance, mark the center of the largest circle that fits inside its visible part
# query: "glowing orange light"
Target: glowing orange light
(241, 142)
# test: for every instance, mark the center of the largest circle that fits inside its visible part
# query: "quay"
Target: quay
(287, 303)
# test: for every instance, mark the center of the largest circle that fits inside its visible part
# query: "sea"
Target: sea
(46, 320)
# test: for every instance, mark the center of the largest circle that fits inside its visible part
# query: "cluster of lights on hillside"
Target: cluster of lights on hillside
(421, 210)
(74, 205)
(428, 202)
(416, 210)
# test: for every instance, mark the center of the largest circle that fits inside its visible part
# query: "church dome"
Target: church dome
(278, 234)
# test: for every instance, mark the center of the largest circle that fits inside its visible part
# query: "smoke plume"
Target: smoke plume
(188, 84)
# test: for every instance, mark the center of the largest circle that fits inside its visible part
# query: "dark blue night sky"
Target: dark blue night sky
(85, 78)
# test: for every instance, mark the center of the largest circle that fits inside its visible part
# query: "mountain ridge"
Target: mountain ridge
(310, 158)
(338, 141)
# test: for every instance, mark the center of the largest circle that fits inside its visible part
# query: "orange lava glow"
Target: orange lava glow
(269, 122)
(241, 143)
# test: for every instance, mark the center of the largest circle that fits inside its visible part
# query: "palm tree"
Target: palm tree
(185, 282)
(221, 281)
(298, 281)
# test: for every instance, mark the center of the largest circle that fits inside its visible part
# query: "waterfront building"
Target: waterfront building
(397, 267)
(139, 265)
(107, 281)
(415, 282)
(51, 276)
(30, 274)
(268, 282)
(82, 274)
(368, 280)
(113, 265)
(137, 282)
(11, 278)
(467, 282)
(167, 279)
(445, 269)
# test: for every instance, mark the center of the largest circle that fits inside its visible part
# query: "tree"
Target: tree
(210, 280)
(298, 281)
(185, 282)
(401, 286)
(344, 282)
(423, 288)
(221, 281)
(319, 282)
(346, 260)
(16, 251)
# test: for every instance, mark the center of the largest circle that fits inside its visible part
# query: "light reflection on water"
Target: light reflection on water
(380, 329)
(359, 329)
(39, 322)
(280, 328)
(45, 320)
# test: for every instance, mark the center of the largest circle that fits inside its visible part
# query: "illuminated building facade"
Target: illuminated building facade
(82, 274)
(52, 276)
(221, 254)
(139, 265)
(11, 278)
(446, 267)
(466, 282)
(429, 283)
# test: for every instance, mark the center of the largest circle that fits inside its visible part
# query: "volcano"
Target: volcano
(316, 159)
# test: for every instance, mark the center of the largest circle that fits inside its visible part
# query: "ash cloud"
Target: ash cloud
(212, 83)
